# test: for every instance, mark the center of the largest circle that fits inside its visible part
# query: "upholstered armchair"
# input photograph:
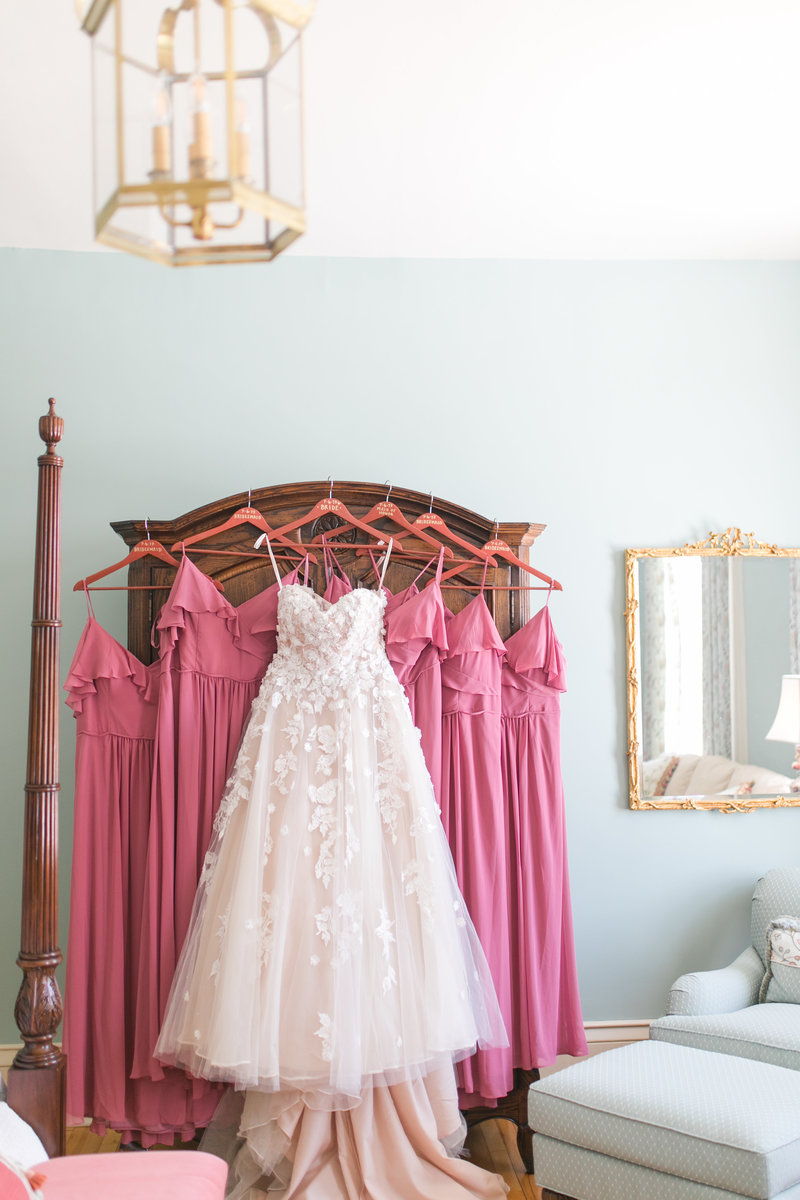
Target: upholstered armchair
(720, 1010)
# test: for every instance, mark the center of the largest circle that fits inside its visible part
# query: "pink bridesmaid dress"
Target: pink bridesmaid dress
(547, 1018)
(212, 660)
(474, 817)
(416, 642)
(114, 699)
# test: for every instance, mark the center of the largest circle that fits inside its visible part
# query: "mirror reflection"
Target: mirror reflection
(714, 676)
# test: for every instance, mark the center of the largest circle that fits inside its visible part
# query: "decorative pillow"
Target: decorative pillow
(653, 770)
(666, 775)
(781, 984)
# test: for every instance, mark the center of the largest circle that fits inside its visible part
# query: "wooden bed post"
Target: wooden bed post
(36, 1079)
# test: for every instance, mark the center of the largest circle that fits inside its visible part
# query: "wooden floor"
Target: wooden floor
(491, 1144)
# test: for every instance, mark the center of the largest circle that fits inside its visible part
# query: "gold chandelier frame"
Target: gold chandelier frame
(164, 193)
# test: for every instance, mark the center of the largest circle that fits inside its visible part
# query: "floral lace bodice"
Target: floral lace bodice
(330, 660)
(324, 648)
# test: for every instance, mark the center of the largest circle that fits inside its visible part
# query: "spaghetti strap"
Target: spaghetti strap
(259, 542)
(278, 579)
(89, 604)
(485, 569)
(385, 563)
(305, 570)
(378, 575)
(439, 567)
(427, 567)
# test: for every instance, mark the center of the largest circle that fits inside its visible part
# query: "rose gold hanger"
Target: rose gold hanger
(147, 546)
(432, 520)
(243, 516)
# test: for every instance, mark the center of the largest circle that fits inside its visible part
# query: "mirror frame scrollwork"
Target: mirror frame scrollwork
(730, 543)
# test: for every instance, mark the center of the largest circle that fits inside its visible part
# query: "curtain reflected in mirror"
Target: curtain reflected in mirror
(713, 629)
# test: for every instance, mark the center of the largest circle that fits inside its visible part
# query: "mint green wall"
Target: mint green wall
(619, 403)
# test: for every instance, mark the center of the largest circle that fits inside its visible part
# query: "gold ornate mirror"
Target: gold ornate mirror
(713, 650)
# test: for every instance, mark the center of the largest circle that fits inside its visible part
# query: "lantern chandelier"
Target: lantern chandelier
(198, 127)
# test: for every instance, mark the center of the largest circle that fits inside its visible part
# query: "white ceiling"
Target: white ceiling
(505, 129)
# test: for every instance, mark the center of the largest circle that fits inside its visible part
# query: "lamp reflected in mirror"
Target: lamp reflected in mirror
(786, 726)
(710, 627)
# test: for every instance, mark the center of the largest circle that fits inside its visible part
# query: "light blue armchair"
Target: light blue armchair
(719, 1010)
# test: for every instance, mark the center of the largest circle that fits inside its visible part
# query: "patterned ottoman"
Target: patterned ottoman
(655, 1121)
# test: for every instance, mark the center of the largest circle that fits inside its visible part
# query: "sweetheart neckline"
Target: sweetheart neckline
(326, 606)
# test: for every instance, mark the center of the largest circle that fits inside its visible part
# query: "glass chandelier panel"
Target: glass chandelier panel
(198, 127)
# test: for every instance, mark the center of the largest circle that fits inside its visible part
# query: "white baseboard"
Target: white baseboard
(604, 1035)
(617, 1031)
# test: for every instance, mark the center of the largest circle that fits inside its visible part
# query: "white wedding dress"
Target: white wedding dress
(329, 951)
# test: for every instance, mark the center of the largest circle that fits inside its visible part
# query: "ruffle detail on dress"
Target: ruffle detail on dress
(473, 629)
(461, 683)
(193, 592)
(535, 647)
(100, 656)
(419, 621)
(161, 1132)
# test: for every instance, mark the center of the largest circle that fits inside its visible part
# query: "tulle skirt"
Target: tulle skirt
(329, 950)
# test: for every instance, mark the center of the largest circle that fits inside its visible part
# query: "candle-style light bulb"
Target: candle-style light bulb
(162, 121)
(200, 150)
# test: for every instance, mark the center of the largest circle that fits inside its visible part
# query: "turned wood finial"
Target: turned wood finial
(51, 427)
